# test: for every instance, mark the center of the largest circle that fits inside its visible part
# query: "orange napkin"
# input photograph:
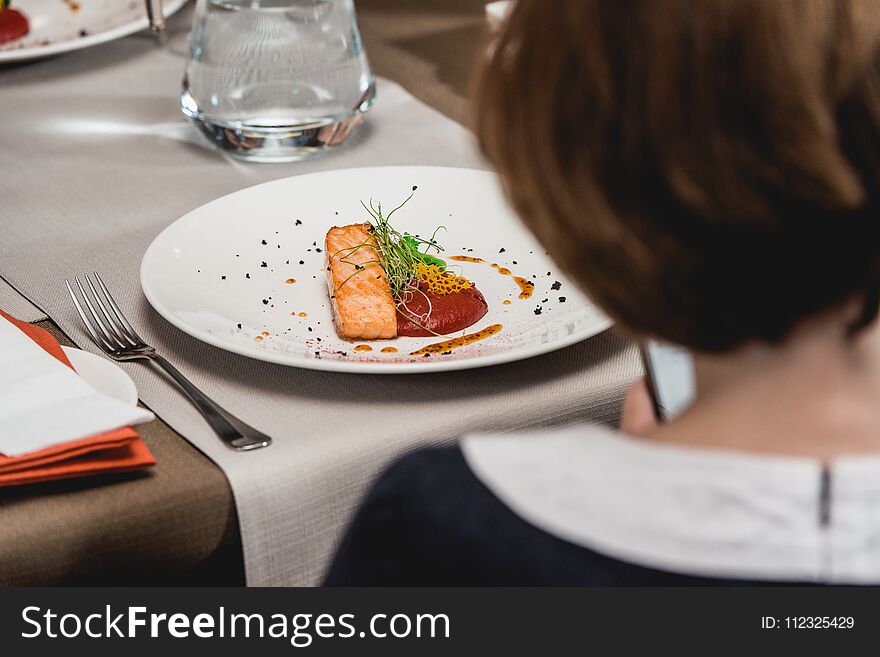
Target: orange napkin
(115, 451)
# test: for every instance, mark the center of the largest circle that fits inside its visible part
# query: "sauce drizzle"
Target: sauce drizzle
(363, 347)
(448, 345)
(389, 350)
(526, 287)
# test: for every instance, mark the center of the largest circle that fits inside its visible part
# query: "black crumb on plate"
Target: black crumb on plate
(556, 285)
(302, 262)
(539, 310)
(239, 325)
(502, 250)
(561, 299)
(263, 242)
(247, 275)
(297, 223)
(222, 278)
(264, 265)
(265, 302)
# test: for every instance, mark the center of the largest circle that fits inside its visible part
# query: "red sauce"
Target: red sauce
(13, 25)
(449, 312)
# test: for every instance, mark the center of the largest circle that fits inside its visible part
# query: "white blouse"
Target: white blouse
(697, 511)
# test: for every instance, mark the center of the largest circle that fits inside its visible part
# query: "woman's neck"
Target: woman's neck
(815, 395)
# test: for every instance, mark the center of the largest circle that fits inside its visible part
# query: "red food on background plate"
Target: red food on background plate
(13, 24)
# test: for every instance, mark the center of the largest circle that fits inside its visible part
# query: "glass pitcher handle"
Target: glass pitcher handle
(156, 16)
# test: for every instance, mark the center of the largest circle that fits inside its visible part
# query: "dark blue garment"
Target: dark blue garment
(429, 521)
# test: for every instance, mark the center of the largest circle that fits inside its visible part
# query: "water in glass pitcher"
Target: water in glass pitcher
(276, 80)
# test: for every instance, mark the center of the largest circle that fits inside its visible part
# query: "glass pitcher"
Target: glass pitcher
(274, 80)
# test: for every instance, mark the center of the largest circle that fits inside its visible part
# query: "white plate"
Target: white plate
(183, 270)
(103, 375)
(59, 26)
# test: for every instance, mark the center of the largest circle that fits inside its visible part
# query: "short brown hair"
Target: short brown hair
(708, 170)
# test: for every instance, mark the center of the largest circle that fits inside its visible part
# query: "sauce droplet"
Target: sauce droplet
(302, 314)
(265, 333)
(363, 347)
(448, 345)
(506, 302)
(290, 281)
(389, 350)
(259, 338)
(525, 285)
(463, 258)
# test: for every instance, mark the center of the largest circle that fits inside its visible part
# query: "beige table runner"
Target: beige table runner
(97, 161)
(16, 305)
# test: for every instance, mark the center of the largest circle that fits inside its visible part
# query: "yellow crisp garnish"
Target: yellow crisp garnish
(440, 282)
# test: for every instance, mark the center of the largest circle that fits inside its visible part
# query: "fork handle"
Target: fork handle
(235, 433)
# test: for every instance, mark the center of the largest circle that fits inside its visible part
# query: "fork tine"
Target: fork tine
(93, 334)
(105, 333)
(131, 333)
(113, 326)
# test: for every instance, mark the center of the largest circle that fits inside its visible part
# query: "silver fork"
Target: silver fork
(115, 336)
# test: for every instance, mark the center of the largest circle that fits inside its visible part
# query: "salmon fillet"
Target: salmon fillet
(363, 308)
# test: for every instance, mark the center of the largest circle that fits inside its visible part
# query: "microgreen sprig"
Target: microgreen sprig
(399, 252)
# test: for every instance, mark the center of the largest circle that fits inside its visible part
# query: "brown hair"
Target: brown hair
(708, 170)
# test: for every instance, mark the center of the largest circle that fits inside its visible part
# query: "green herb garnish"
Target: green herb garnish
(399, 252)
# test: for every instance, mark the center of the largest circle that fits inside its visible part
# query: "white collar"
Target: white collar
(708, 512)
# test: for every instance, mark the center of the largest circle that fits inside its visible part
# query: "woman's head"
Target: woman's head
(708, 170)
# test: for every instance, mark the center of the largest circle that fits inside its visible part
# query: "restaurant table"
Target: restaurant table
(178, 524)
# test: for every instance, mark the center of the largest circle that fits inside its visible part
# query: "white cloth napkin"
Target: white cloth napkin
(44, 403)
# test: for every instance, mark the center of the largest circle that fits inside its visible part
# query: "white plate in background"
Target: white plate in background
(59, 26)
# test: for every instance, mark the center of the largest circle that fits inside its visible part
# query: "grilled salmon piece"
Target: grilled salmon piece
(363, 308)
